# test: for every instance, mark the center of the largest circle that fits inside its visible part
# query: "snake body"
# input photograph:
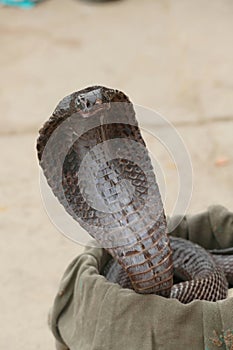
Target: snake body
(202, 274)
(96, 162)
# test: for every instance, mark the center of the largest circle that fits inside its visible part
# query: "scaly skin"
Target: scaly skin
(113, 193)
(202, 275)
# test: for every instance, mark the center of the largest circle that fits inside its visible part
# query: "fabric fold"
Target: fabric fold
(90, 313)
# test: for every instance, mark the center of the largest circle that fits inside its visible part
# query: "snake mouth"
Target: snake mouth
(87, 112)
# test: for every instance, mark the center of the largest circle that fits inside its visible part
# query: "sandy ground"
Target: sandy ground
(172, 56)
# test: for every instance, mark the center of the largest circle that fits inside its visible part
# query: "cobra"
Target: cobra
(97, 164)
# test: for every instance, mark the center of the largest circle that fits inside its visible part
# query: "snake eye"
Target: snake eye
(78, 103)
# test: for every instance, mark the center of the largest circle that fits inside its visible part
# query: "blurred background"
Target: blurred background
(172, 56)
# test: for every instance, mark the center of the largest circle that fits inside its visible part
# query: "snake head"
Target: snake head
(96, 98)
(88, 103)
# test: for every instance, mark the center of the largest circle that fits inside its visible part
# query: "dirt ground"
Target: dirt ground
(172, 56)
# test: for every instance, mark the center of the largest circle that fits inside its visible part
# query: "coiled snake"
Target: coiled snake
(97, 164)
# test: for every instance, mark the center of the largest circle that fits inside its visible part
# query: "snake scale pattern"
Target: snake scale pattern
(96, 162)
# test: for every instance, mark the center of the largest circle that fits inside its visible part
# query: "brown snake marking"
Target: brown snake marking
(119, 176)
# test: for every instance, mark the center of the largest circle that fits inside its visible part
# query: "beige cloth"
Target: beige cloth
(90, 313)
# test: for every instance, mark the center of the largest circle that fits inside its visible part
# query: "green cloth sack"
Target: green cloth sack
(90, 313)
